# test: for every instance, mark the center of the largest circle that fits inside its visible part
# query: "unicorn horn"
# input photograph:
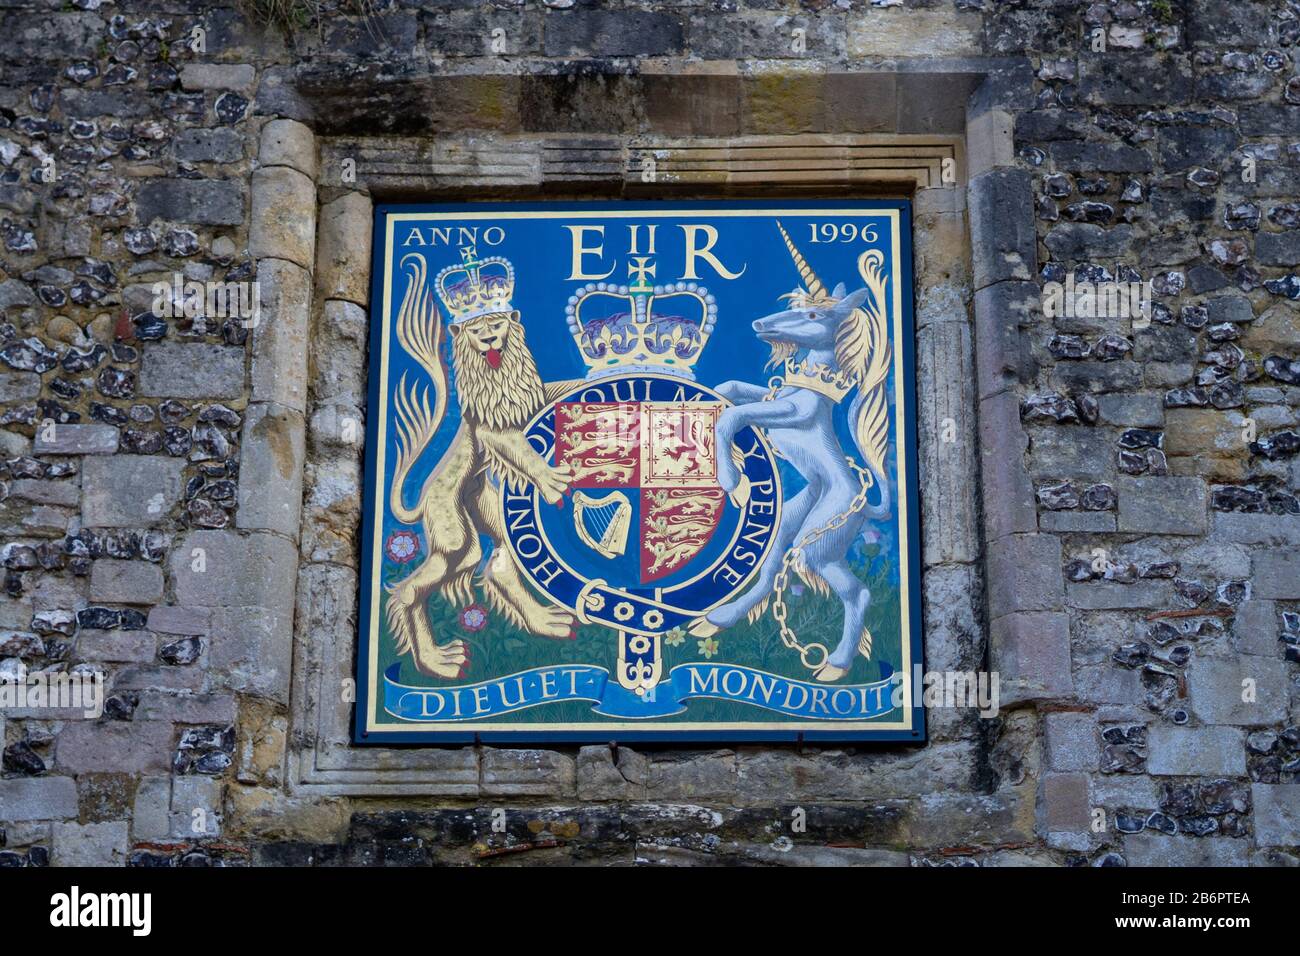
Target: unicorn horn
(810, 280)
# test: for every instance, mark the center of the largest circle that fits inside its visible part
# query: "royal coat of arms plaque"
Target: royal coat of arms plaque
(641, 471)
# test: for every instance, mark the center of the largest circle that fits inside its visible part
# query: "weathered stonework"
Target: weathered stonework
(1109, 507)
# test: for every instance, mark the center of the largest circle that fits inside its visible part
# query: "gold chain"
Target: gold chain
(793, 558)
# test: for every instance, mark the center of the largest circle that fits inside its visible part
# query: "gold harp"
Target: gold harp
(602, 523)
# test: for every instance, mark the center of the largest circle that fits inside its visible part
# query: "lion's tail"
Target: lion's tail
(415, 422)
(419, 331)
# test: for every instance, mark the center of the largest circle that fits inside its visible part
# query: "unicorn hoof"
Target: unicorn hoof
(828, 673)
(703, 627)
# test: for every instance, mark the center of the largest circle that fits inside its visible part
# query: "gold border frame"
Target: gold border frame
(381, 419)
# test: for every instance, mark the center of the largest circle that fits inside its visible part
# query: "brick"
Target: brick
(129, 491)
(1162, 505)
(1277, 814)
(125, 582)
(37, 798)
(1031, 653)
(1195, 751)
(1024, 574)
(76, 440)
(192, 370)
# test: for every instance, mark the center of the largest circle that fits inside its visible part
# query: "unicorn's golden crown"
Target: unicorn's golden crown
(818, 377)
(476, 286)
(620, 328)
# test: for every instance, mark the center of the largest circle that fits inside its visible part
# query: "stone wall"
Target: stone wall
(1114, 530)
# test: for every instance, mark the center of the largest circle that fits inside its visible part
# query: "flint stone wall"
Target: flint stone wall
(1114, 529)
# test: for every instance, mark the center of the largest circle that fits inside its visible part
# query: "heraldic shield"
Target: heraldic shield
(613, 494)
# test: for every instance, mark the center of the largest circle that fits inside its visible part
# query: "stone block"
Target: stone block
(1071, 740)
(220, 145)
(179, 620)
(76, 440)
(151, 810)
(1076, 522)
(37, 798)
(1008, 494)
(218, 76)
(129, 491)
(192, 370)
(272, 450)
(343, 249)
(279, 369)
(19, 386)
(1024, 574)
(196, 808)
(1276, 575)
(1277, 814)
(90, 844)
(214, 569)
(531, 773)
(1165, 505)
(1174, 751)
(914, 32)
(339, 363)
(283, 224)
(1255, 628)
(1216, 687)
(1001, 355)
(1115, 595)
(1064, 806)
(287, 142)
(138, 746)
(1256, 528)
(202, 202)
(990, 142)
(125, 582)
(117, 647)
(250, 651)
(1030, 651)
(598, 32)
(1157, 849)
(1003, 236)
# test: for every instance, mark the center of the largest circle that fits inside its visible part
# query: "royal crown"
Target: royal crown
(660, 328)
(818, 377)
(476, 286)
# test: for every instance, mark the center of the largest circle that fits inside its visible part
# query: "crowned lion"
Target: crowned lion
(500, 391)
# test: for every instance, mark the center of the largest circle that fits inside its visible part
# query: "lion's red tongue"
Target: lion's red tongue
(494, 357)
